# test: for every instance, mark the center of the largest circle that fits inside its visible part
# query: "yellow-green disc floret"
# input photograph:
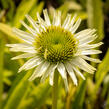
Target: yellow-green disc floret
(56, 44)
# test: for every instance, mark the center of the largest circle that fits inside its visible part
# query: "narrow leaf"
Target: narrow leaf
(80, 96)
(95, 17)
(1, 68)
(17, 91)
(24, 8)
(103, 69)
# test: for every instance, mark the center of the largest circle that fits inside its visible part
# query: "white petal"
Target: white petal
(72, 21)
(67, 21)
(76, 25)
(28, 28)
(25, 55)
(71, 72)
(40, 70)
(82, 64)
(41, 21)
(89, 52)
(46, 17)
(52, 75)
(85, 33)
(54, 17)
(91, 59)
(78, 72)
(23, 47)
(62, 71)
(31, 63)
(36, 71)
(19, 49)
(48, 72)
(89, 46)
(57, 18)
(32, 22)
(87, 39)
(24, 35)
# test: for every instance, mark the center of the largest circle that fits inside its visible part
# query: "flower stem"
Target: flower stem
(55, 90)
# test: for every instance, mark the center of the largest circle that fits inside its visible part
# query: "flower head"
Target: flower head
(52, 45)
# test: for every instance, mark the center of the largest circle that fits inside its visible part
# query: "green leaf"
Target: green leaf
(1, 68)
(37, 96)
(95, 17)
(36, 9)
(80, 96)
(107, 102)
(103, 69)
(70, 5)
(81, 14)
(105, 85)
(24, 8)
(17, 91)
(6, 29)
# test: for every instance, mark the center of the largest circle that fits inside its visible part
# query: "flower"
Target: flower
(54, 46)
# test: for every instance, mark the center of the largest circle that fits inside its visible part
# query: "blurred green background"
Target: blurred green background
(16, 92)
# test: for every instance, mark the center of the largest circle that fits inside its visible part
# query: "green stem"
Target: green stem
(55, 90)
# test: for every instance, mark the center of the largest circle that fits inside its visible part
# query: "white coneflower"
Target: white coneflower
(55, 46)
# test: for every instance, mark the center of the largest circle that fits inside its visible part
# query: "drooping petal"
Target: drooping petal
(82, 64)
(40, 70)
(62, 71)
(48, 72)
(52, 75)
(71, 72)
(78, 72)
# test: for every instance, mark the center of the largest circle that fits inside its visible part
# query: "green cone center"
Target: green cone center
(56, 44)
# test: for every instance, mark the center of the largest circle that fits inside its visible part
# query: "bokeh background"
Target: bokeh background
(16, 92)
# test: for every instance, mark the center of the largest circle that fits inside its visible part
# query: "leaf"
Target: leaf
(6, 75)
(6, 29)
(107, 102)
(103, 69)
(80, 96)
(70, 5)
(105, 85)
(95, 17)
(37, 96)
(24, 8)
(17, 91)
(36, 9)
(81, 14)
(1, 68)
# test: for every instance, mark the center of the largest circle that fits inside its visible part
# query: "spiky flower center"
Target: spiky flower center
(56, 44)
